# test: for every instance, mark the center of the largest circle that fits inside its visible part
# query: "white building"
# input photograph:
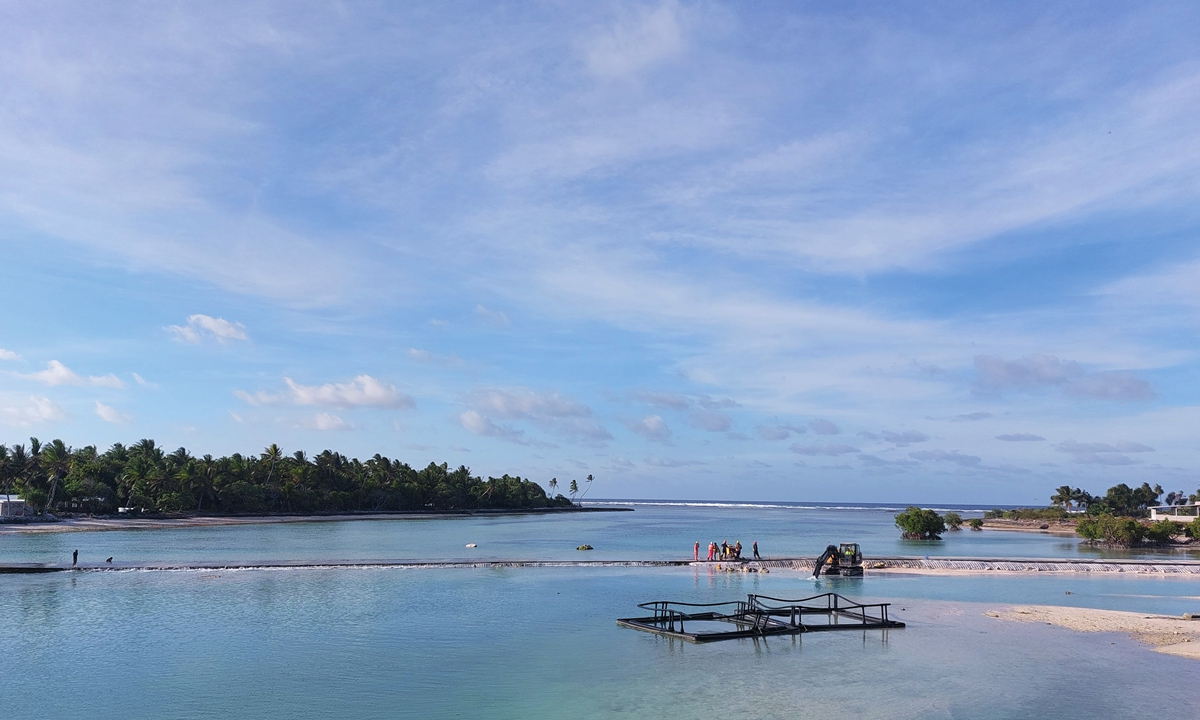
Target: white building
(11, 506)
(1178, 513)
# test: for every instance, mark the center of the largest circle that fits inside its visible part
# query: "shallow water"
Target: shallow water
(542, 643)
(650, 532)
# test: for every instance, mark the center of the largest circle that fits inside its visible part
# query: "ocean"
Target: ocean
(371, 642)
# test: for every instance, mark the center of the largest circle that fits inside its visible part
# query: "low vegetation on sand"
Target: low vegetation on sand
(54, 477)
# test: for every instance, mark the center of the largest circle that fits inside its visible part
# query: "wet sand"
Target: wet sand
(1166, 634)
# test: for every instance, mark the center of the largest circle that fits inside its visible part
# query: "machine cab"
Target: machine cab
(850, 553)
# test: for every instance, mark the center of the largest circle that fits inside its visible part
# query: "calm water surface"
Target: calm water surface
(650, 532)
(353, 643)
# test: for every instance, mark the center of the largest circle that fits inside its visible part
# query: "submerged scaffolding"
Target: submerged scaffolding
(759, 616)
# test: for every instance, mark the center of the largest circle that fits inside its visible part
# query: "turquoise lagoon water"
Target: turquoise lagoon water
(371, 642)
(542, 643)
(650, 532)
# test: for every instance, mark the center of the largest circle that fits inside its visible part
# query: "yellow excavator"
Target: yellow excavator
(844, 559)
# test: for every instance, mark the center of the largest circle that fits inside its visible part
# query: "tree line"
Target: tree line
(145, 477)
(1120, 499)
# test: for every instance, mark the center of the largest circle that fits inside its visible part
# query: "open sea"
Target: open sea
(372, 642)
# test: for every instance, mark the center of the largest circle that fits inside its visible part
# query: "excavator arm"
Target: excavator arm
(830, 551)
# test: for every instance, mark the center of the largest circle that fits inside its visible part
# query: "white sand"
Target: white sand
(1167, 634)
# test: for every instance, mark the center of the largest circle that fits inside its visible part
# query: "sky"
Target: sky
(778, 250)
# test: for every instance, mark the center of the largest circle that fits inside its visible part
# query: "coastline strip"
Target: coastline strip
(889, 565)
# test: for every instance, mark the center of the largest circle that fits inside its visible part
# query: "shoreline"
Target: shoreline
(1189, 569)
(1165, 633)
(84, 524)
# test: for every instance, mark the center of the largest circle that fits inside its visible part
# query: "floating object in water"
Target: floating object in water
(585, 547)
(472, 545)
(759, 616)
(109, 561)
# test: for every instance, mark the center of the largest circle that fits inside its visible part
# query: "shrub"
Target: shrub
(918, 524)
(1162, 531)
(1111, 530)
(1193, 528)
(976, 523)
(953, 520)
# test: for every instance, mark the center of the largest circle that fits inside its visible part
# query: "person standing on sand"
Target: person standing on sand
(755, 546)
(74, 558)
(696, 553)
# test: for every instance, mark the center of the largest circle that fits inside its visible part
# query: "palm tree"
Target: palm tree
(574, 490)
(553, 486)
(1081, 498)
(1062, 497)
(589, 487)
(57, 461)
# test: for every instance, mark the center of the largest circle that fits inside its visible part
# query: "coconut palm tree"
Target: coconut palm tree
(57, 461)
(1062, 497)
(553, 486)
(574, 490)
(589, 487)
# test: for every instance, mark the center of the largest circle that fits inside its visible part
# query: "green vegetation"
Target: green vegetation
(976, 523)
(1111, 530)
(953, 520)
(1048, 513)
(57, 477)
(918, 524)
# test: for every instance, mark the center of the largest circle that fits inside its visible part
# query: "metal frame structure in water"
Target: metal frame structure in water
(761, 615)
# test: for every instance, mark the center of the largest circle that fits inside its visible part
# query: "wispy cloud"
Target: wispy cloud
(110, 415)
(952, 456)
(550, 411)
(1020, 437)
(36, 411)
(58, 374)
(428, 358)
(362, 391)
(1103, 453)
(201, 328)
(491, 317)
(651, 427)
(995, 374)
(832, 449)
(8, 355)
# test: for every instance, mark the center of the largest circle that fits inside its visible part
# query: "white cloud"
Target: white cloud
(8, 355)
(362, 391)
(831, 449)
(551, 411)
(481, 425)
(1103, 453)
(110, 415)
(670, 462)
(995, 374)
(37, 410)
(953, 456)
(58, 374)
(143, 381)
(428, 358)
(651, 427)
(205, 327)
(637, 42)
(773, 432)
(326, 421)
(492, 317)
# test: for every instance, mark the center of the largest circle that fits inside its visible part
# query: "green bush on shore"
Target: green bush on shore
(976, 523)
(953, 520)
(1046, 513)
(918, 524)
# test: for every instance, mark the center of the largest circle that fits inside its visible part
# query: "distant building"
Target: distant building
(1177, 513)
(11, 506)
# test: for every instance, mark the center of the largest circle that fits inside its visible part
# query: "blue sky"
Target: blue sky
(770, 250)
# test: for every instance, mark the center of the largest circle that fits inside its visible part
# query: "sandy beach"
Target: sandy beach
(1166, 634)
